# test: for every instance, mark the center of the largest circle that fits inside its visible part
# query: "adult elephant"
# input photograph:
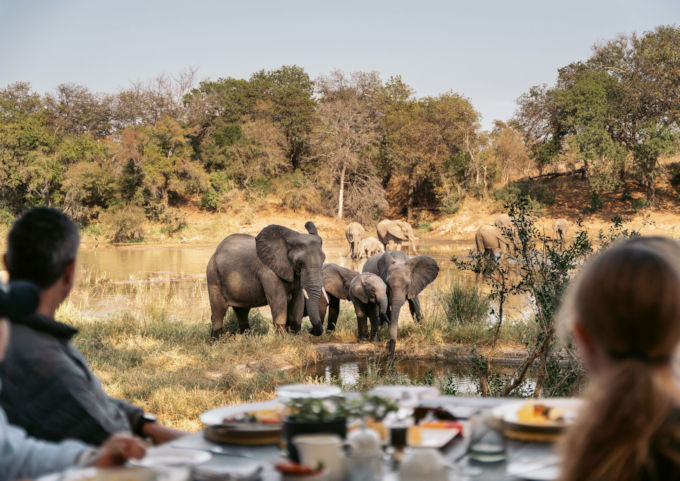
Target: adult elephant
(490, 241)
(336, 282)
(392, 233)
(507, 226)
(354, 232)
(370, 246)
(405, 277)
(279, 267)
(560, 230)
(368, 293)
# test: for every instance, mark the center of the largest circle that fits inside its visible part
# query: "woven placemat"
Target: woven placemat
(532, 437)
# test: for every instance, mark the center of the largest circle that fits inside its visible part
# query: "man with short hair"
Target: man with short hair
(48, 388)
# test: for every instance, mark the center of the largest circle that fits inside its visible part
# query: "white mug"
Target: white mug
(325, 449)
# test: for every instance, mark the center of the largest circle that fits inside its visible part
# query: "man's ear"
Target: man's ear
(69, 273)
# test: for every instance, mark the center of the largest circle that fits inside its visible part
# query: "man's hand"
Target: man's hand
(160, 434)
(118, 449)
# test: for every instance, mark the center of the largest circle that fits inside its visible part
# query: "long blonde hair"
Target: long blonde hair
(627, 300)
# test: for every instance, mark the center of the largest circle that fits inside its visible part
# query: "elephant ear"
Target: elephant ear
(272, 249)
(385, 261)
(395, 229)
(424, 270)
(358, 290)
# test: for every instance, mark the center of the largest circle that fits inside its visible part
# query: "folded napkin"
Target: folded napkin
(243, 472)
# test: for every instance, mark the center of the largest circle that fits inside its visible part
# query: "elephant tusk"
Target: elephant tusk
(325, 295)
(304, 293)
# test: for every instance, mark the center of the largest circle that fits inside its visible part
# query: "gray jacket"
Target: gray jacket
(48, 389)
(25, 457)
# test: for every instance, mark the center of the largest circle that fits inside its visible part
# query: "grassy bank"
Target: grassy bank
(156, 352)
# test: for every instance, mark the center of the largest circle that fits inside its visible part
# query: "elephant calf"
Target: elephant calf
(405, 278)
(336, 282)
(368, 293)
(369, 247)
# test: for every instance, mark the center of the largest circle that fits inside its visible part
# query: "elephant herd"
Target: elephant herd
(285, 269)
(501, 237)
(391, 235)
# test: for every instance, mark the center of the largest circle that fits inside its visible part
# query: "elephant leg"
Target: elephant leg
(323, 307)
(242, 317)
(375, 323)
(362, 327)
(277, 299)
(333, 312)
(218, 309)
(414, 307)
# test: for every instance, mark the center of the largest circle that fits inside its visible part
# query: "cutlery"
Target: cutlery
(219, 450)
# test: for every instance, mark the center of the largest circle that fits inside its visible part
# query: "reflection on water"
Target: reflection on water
(452, 378)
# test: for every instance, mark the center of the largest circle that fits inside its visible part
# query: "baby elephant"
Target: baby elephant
(370, 246)
(368, 293)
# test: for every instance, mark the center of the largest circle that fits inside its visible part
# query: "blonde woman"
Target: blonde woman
(624, 312)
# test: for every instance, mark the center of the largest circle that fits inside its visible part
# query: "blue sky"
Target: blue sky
(489, 51)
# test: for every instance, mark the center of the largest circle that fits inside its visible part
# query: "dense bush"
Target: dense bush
(126, 224)
(464, 303)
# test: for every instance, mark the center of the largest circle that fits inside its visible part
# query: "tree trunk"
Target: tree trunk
(411, 195)
(341, 195)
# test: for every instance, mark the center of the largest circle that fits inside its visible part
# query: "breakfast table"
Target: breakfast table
(524, 460)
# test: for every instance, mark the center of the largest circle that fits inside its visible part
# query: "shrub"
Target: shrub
(534, 196)
(464, 303)
(126, 224)
(595, 202)
(210, 200)
(6, 217)
(173, 221)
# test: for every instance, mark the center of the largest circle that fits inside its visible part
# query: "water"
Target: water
(451, 377)
(116, 279)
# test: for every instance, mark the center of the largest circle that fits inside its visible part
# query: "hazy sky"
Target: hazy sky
(489, 51)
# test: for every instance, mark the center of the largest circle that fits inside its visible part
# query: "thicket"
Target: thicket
(354, 146)
(540, 269)
(616, 113)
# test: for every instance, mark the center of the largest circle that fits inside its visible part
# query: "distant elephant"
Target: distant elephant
(336, 282)
(354, 233)
(279, 267)
(405, 277)
(560, 230)
(490, 241)
(503, 221)
(370, 246)
(506, 226)
(393, 232)
(368, 293)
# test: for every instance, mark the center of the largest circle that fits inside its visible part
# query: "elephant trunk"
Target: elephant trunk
(382, 309)
(413, 245)
(311, 283)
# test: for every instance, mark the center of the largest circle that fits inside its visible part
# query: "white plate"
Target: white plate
(436, 437)
(570, 406)
(168, 456)
(216, 416)
(405, 393)
(319, 391)
(532, 470)
(114, 474)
